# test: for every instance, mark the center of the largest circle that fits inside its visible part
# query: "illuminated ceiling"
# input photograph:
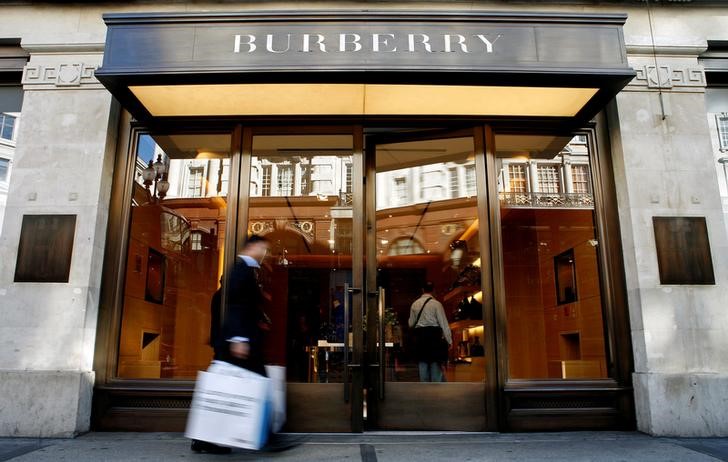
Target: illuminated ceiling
(360, 100)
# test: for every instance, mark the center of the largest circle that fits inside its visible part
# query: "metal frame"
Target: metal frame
(353, 400)
(610, 399)
(170, 397)
(377, 385)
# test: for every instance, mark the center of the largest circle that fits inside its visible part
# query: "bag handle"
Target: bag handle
(420, 313)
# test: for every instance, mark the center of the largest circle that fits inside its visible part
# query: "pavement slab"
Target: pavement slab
(382, 447)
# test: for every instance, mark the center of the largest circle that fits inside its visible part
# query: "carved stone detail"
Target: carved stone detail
(66, 75)
(666, 78)
(261, 227)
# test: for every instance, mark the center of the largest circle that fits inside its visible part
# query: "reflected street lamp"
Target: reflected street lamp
(156, 173)
(724, 161)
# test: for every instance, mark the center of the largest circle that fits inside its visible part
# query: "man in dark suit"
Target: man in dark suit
(238, 339)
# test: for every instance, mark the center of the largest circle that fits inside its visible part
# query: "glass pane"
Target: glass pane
(555, 328)
(300, 188)
(4, 167)
(175, 256)
(7, 126)
(427, 231)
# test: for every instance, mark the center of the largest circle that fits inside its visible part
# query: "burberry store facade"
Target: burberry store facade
(549, 172)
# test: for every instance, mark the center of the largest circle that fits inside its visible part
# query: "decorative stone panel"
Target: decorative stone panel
(663, 77)
(65, 75)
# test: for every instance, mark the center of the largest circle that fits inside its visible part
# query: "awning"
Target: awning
(356, 63)
(12, 60)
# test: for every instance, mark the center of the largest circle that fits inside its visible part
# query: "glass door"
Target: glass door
(426, 259)
(303, 190)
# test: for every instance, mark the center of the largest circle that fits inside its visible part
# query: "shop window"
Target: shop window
(438, 241)
(551, 267)
(309, 261)
(174, 255)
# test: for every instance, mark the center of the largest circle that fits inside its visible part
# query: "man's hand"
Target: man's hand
(240, 349)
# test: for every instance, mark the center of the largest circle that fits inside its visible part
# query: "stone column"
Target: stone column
(533, 175)
(664, 166)
(568, 180)
(63, 165)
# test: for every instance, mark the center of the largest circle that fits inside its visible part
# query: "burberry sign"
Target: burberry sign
(305, 43)
(374, 43)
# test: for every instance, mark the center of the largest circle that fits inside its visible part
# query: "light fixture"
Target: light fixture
(156, 174)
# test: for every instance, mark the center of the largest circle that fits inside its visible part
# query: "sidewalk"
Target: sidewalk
(381, 447)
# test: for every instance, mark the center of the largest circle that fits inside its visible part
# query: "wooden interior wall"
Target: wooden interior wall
(538, 327)
(183, 319)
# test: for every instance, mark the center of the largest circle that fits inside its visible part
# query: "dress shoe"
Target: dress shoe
(209, 448)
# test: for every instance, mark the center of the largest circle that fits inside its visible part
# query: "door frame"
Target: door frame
(376, 386)
(300, 395)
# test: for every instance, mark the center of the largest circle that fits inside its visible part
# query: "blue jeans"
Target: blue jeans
(430, 372)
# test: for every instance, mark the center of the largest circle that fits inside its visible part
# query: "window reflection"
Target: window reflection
(551, 268)
(427, 230)
(300, 188)
(175, 254)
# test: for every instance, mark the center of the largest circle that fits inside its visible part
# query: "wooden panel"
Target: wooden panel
(595, 406)
(683, 250)
(311, 408)
(45, 248)
(317, 408)
(433, 406)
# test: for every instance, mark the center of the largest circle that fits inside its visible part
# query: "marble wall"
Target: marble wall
(663, 163)
(63, 165)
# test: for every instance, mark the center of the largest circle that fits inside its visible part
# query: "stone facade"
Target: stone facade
(663, 164)
(664, 167)
(63, 164)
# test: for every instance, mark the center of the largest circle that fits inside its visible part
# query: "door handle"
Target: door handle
(347, 290)
(381, 352)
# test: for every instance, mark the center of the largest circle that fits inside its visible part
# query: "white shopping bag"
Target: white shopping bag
(277, 376)
(231, 406)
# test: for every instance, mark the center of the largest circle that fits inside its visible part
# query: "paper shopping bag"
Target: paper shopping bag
(230, 410)
(277, 376)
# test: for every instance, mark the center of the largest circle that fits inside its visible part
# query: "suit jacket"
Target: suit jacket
(242, 318)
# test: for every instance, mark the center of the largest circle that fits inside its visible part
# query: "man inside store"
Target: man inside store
(432, 334)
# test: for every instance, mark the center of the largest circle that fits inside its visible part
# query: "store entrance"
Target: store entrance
(359, 224)
(427, 348)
